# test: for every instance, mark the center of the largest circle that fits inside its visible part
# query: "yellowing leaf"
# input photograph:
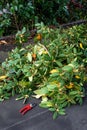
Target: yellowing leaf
(44, 98)
(37, 96)
(81, 46)
(44, 52)
(49, 104)
(3, 42)
(34, 56)
(85, 78)
(53, 71)
(77, 77)
(39, 37)
(21, 35)
(71, 85)
(29, 56)
(31, 78)
(3, 77)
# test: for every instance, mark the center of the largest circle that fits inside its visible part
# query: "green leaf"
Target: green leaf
(56, 74)
(52, 109)
(80, 100)
(67, 68)
(23, 83)
(62, 55)
(51, 87)
(43, 105)
(62, 112)
(37, 63)
(13, 92)
(1, 99)
(23, 30)
(41, 91)
(6, 97)
(46, 104)
(74, 50)
(29, 56)
(55, 115)
(65, 103)
(59, 64)
(16, 8)
(73, 93)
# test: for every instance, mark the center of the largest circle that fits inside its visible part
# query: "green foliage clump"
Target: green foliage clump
(53, 69)
(16, 14)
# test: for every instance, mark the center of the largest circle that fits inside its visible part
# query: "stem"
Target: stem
(15, 18)
(34, 15)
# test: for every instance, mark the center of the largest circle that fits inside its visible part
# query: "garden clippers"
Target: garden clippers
(26, 108)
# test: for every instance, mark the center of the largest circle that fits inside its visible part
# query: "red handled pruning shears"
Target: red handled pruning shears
(26, 108)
